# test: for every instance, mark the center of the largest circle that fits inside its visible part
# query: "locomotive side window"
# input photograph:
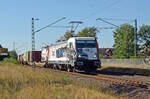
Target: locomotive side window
(71, 46)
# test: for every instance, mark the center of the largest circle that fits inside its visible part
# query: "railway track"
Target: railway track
(117, 80)
(109, 78)
(127, 81)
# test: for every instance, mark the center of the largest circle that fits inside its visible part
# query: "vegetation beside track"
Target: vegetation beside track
(17, 82)
(11, 61)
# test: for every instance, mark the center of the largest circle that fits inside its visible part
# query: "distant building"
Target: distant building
(145, 49)
(106, 52)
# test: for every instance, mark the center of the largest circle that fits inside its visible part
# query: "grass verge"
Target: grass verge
(11, 61)
(126, 69)
(18, 82)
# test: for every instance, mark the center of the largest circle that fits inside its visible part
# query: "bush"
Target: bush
(10, 60)
(13, 54)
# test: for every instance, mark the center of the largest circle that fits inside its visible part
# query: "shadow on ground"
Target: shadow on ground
(124, 71)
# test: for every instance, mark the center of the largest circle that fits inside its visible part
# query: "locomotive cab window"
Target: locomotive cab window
(86, 44)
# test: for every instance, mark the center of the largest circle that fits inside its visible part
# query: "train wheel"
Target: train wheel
(60, 67)
(69, 69)
(45, 65)
(55, 66)
(74, 70)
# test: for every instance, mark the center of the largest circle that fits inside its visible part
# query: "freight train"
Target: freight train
(75, 54)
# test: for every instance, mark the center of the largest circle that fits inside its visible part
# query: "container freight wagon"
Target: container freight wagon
(78, 53)
(29, 57)
(24, 58)
(20, 58)
(35, 56)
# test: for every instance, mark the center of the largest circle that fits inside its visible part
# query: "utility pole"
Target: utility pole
(135, 37)
(33, 36)
(33, 41)
(14, 46)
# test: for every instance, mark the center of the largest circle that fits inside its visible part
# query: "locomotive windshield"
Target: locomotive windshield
(86, 44)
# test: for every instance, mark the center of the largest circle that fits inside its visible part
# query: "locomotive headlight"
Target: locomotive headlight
(95, 56)
(83, 56)
(79, 56)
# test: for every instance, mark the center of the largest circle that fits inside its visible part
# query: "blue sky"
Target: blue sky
(15, 19)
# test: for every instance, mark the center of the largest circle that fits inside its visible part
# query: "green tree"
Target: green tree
(13, 54)
(88, 32)
(124, 41)
(68, 35)
(144, 38)
(144, 34)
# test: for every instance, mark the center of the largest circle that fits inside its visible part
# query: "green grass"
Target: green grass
(17, 82)
(10, 60)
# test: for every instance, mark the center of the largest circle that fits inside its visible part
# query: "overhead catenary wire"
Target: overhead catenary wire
(120, 19)
(102, 9)
(60, 26)
(107, 22)
(49, 25)
(106, 27)
(117, 19)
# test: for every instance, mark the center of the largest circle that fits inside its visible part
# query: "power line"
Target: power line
(117, 19)
(103, 9)
(105, 27)
(50, 24)
(14, 44)
(60, 26)
(107, 22)
(120, 19)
